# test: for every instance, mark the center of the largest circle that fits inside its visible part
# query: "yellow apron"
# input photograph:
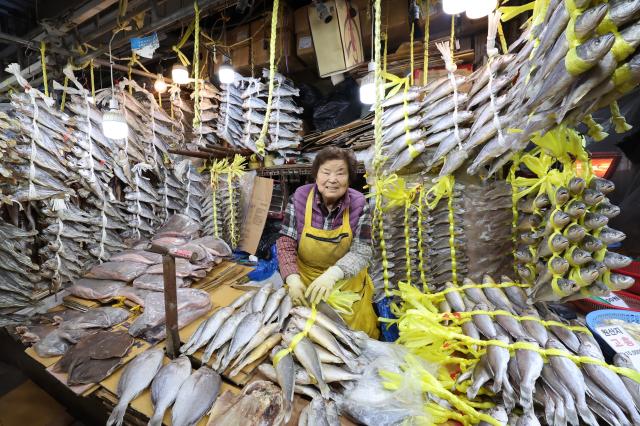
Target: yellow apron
(319, 249)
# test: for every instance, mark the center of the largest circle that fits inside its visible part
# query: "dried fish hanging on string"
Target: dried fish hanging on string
(562, 234)
(230, 120)
(205, 132)
(284, 122)
(508, 341)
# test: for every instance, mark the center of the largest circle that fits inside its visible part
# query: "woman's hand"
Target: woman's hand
(321, 287)
(296, 290)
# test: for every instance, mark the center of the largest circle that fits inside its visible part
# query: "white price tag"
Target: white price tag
(614, 300)
(621, 342)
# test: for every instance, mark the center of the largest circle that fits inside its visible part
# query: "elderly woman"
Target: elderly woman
(326, 239)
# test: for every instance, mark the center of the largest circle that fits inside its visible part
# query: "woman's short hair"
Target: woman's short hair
(335, 153)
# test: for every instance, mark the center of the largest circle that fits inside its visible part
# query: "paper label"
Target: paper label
(145, 46)
(621, 342)
(305, 42)
(614, 300)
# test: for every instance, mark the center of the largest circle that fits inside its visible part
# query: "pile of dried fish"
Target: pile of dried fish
(243, 332)
(204, 133)
(20, 278)
(190, 395)
(69, 332)
(560, 391)
(562, 238)
(230, 120)
(328, 353)
(283, 136)
(260, 404)
(570, 64)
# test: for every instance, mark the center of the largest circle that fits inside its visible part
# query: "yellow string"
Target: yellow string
(297, 338)
(411, 53)
(64, 93)
(503, 40)
(452, 240)
(514, 205)
(93, 83)
(423, 277)
(43, 60)
(407, 245)
(196, 66)
(260, 143)
(176, 48)
(425, 65)
(452, 40)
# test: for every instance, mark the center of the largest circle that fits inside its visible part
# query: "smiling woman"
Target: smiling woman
(326, 239)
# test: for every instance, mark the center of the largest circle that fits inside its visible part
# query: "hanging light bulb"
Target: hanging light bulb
(114, 125)
(477, 9)
(160, 84)
(368, 86)
(453, 7)
(226, 74)
(180, 74)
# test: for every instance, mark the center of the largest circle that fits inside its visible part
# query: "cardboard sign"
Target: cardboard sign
(621, 342)
(612, 299)
(256, 214)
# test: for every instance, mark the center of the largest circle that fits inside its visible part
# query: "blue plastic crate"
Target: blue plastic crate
(597, 318)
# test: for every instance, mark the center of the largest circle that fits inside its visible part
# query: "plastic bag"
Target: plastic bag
(184, 268)
(265, 268)
(368, 402)
(340, 108)
(388, 332)
(154, 282)
(192, 303)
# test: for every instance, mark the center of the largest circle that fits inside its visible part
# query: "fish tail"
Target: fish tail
(324, 389)
(587, 415)
(156, 420)
(287, 411)
(117, 415)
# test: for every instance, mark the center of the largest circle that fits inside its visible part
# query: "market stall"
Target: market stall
(333, 213)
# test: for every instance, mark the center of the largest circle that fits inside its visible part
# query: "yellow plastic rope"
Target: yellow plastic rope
(452, 242)
(234, 171)
(377, 122)
(196, 66)
(176, 48)
(514, 206)
(260, 143)
(43, 60)
(296, 339)
(425, 65)
(342, 301)
(216, 168)
(618, 120)
(423, 277)
(407, 236)
(411, 54)
(64, 93)
(595, 130)
(452, 38)
(503, 40)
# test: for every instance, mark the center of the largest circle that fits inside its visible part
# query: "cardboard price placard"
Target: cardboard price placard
(621, 342)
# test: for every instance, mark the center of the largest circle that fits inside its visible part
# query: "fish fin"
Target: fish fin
(117, 415)
(156, 420)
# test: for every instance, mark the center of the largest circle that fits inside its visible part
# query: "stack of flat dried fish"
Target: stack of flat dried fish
(230, 120)
(243, 332)
(563, 238)
(261, 403)
(560, 391)
(283, 136)
(69, 332)
(357, 135)
(20, 278)
(94, 357)
(205, 133)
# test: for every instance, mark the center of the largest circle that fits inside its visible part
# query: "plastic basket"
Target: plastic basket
(597, 318)
(633, 270)
(589, 305)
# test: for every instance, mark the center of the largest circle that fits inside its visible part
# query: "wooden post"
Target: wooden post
(171, 293)
(171, 305)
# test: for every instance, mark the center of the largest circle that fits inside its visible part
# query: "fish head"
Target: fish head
(592, 196)
(589, 272)
(588, 20)
(577, 185)
(562, 195)
(524, 272)
(595, 48)
(559, 242)
(581, 4)
(589, 349)
(486, 279)
(576, 231)
(558, 265)
(634, 65)
(623, 9)
(599, 288)
(623, 360)
(560, 219)
(554, 344)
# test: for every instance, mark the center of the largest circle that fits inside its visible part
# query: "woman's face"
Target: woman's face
(333, 180)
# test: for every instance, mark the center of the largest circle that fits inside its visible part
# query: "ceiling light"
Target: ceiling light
(160, 84)
(453, 7)
(114, 125)
(226, 74)
(477, 9)
(368, 86)
(180, 74)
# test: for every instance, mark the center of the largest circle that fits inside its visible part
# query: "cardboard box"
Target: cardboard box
(305, 50)
(257, 214)
(338, 43)
(285, 44)
(240, 53)
(394, 21)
